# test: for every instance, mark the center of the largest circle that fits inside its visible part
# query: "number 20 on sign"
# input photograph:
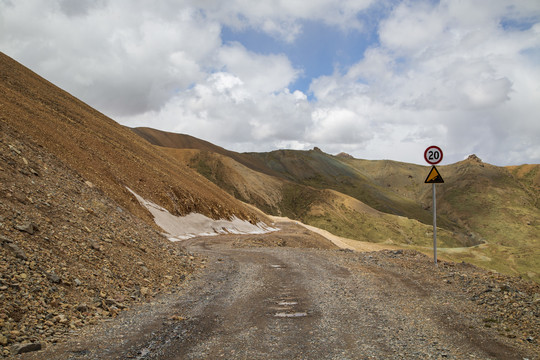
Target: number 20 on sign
(433, 155)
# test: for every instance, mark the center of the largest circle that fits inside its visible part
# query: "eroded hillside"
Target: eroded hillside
(69, 255)
(104, 152)
(75, 245)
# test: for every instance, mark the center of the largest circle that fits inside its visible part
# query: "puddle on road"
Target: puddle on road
(290, 315)
(277, 266)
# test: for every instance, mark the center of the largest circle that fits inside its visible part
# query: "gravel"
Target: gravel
(297, 303)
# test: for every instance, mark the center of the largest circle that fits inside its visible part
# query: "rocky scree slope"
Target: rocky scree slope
(69, 255)
(75, 244)
(109, 155)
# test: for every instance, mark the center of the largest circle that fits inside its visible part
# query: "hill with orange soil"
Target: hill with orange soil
(104, 152)
(76, 246)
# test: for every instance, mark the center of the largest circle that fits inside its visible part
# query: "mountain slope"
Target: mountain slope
(250, 186)
(75, 245)
(310, 168)
(183, 141)
(494, 205)
(529, 176)
(104, 152)
(327, 209)
(488, 201)
(317, 169)
(493, 208)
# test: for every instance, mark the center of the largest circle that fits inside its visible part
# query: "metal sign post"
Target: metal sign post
(434, 225)
(433, 155)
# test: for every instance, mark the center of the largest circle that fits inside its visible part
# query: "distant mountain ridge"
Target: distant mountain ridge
(182, 141)
(493, 209)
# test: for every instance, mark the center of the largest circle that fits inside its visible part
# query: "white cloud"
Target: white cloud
(260, 73)
(226, 111)
(136, 56)
(435, 69)
(463, 75)
(411, 29)
(283, 18)
(338, 125)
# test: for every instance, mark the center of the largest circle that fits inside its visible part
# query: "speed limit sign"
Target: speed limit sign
(433, 155)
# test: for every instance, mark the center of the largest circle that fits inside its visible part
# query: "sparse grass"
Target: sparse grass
(297, 200)
(478, 202)
(523, 261)
(378, 228)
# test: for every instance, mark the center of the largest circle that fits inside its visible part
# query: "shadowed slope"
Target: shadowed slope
(183, 141)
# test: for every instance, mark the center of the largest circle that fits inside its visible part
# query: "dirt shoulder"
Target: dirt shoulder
(338, 241)
(253, 301)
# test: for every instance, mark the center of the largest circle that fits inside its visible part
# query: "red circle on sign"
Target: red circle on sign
(433, 155)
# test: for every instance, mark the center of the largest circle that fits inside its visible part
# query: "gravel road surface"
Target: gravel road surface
(300, 303)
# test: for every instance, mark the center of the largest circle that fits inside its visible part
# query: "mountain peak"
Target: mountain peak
(344, 155)
(474, 158)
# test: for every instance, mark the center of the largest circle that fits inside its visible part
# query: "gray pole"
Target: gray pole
(434, 225)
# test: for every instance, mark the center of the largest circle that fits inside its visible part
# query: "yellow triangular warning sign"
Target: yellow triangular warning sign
(434, 177)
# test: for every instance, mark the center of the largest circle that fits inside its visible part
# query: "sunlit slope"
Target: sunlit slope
(327, 209)
(529, 176)
(495, 205)
(103, 152)
(388, 186)
(247, 185)
(500, 210)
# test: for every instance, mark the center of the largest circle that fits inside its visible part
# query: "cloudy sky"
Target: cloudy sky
(376, 79)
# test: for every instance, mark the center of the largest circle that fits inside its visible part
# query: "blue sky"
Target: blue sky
(376, 79)
(319, 50)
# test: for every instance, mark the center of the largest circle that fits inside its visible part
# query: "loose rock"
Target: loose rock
(19, 253)
(28, 227)
(25, 348)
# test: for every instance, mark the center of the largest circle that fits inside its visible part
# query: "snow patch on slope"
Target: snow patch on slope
(185, 227)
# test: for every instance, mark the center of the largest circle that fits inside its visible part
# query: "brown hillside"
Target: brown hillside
(529, 175)
(69, 255)
(250, 186)
(183, 141)
(326, 209)
(178, 141)
(75, 245)
(102, 151)
(491, 204)
(494, 208)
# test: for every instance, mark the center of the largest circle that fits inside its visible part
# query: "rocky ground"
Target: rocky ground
(258, 299)
(82, 277)
(72, 258)
(69, 255)
(509, 305)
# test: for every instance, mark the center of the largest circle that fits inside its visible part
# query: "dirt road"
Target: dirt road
(254, 302)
